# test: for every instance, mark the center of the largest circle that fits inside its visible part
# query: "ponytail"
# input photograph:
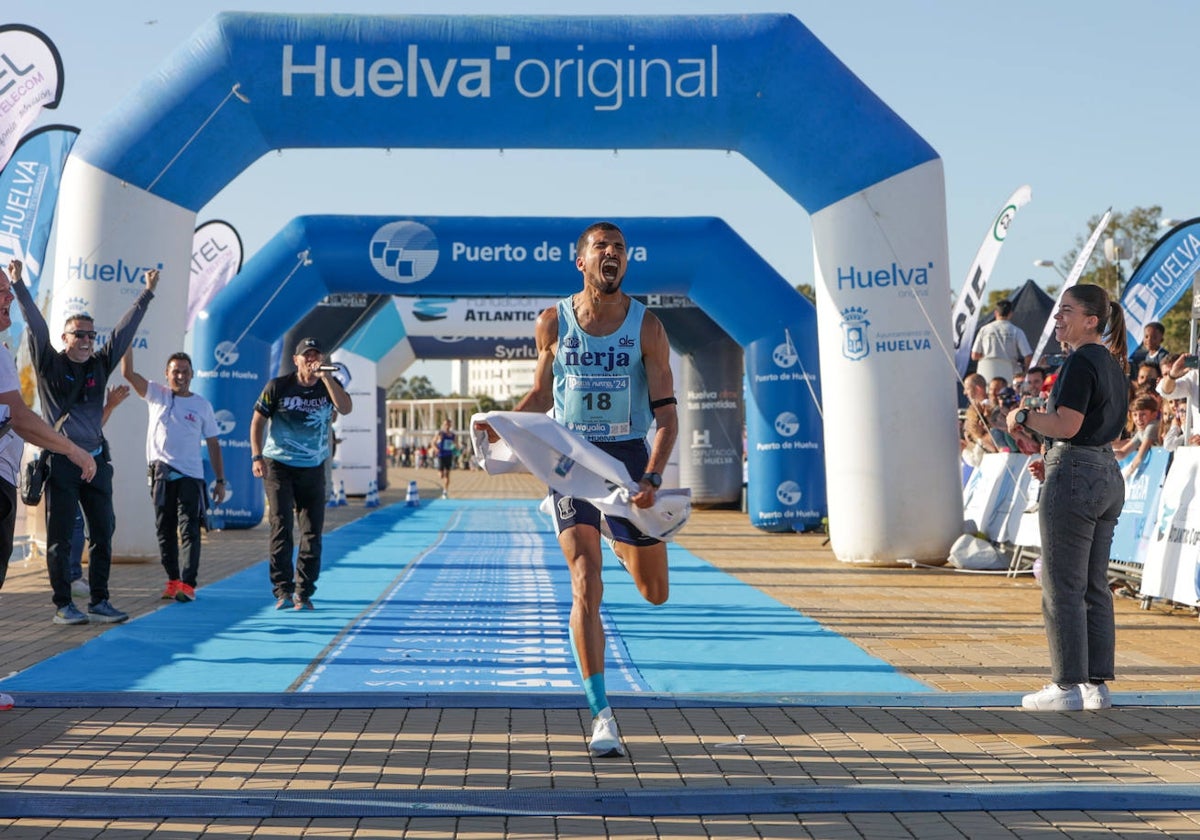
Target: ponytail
(1110, 317)
(1115, 335)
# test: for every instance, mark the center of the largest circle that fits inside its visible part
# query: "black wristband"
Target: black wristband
(256, 457)
(664, 401)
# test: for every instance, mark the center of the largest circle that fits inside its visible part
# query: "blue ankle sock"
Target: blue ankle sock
(593, 686)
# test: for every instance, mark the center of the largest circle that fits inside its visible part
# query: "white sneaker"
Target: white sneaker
(1096, 697)
(1054, 699)
(606, 741)
(79, 588)
(6, 702)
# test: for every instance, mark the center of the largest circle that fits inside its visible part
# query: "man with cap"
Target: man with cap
(289, 444)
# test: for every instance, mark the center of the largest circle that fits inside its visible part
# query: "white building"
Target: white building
(500, 380)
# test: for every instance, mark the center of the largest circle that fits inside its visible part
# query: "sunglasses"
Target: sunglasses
(83, 333)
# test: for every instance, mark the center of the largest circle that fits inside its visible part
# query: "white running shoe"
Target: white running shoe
(612, 545)
(1054, 699)
(1096, 697)
(606, 741)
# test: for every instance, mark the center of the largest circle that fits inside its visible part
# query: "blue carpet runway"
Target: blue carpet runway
(464, 596)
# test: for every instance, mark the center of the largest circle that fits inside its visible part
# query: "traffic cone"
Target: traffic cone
(372, 500)
(341, 496)
(332, 503)
(412, 498)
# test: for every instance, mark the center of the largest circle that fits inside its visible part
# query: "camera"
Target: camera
(1192, 361)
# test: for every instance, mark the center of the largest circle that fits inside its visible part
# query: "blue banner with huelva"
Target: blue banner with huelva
(28, 194)
(1161, 278)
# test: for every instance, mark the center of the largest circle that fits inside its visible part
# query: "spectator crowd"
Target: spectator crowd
(1161, 386)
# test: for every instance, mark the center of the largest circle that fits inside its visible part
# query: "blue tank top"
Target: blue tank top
(600, 387)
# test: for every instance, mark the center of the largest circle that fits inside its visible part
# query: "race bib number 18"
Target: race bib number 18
(598, 406)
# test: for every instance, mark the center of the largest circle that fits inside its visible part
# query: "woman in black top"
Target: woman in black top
(1082, 496)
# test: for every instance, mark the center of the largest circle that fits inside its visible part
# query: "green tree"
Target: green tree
(487, 402)
(1139, 228)
(417, 388)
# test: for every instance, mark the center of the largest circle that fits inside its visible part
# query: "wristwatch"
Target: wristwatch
(653, 479)
(256, 457)
(1022, 416)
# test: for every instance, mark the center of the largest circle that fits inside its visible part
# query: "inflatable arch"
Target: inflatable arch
(761, 85)
(707, 363)
(498, 328)
(315, 256)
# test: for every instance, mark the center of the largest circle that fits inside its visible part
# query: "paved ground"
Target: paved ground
(965, 764)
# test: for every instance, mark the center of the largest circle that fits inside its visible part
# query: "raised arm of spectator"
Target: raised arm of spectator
(134, 378)
(35, 324)
(121, 338)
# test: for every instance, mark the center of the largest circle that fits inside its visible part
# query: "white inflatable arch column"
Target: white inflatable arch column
(762, 85)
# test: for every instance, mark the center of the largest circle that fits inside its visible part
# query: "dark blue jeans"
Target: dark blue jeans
(67, 492)
(295, 493)
(180, 516)
(1080, 501)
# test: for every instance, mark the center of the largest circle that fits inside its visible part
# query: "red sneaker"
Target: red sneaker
(185, 593)
(171, 590)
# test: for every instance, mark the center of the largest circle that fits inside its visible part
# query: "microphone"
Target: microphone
(329, 368)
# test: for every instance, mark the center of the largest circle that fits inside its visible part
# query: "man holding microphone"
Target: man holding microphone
(289, 444)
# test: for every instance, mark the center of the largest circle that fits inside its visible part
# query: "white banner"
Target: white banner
(1076, 270)
(883, 291)
(970, 299)
(31, 79)
(1172, 559)
(498, 317)
(216, 259)
(356, 462)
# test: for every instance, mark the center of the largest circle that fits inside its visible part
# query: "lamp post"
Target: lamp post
(1050, 264)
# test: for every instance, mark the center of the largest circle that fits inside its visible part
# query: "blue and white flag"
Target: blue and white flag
(1161, 278)
(28, 193)
(31, 78)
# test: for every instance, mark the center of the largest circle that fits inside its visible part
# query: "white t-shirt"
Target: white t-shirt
(1186, 387)
(178, 425)
(1004, 348)
(11, 446)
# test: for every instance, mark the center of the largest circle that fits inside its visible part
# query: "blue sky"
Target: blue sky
(1084, 101)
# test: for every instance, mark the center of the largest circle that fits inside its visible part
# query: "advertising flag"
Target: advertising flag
(28, 192)
(966, 308)
(1076, 270)
(216, 259)
(1161, 278)
(31, 78)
